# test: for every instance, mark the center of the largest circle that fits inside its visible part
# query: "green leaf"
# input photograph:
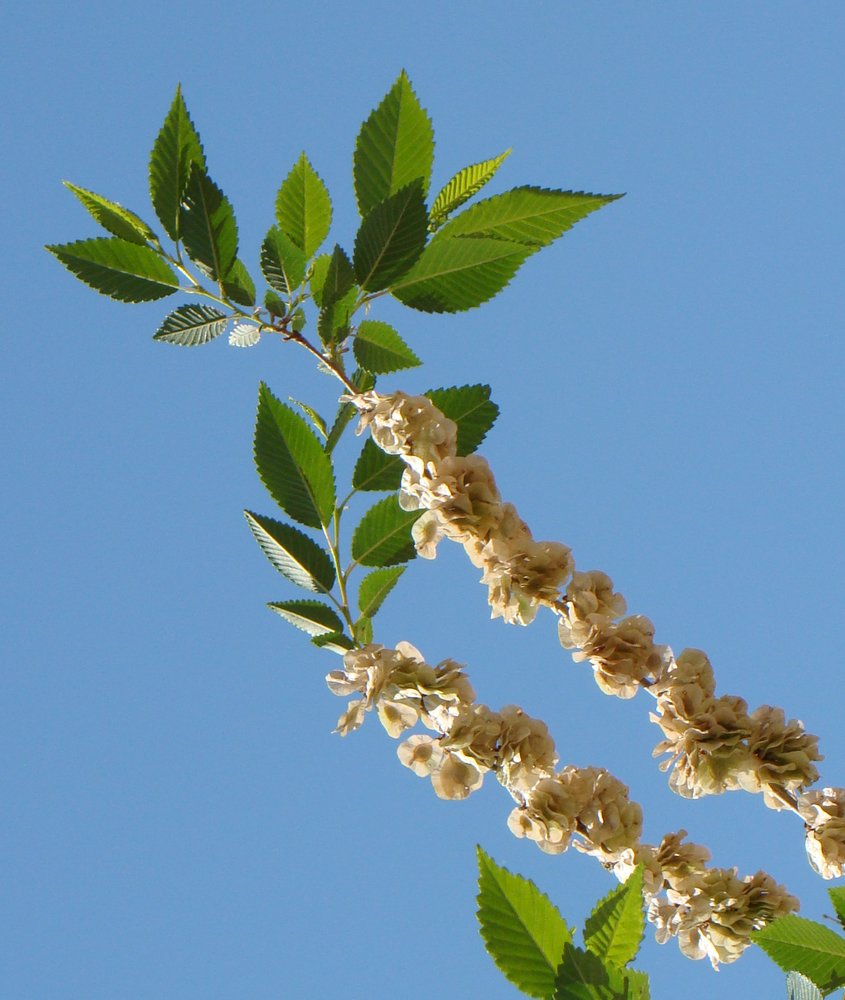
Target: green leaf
(303, 207)
(380, 349)
(522, 930)
(804, 946)
(453, 274)
(291, 462)
(124, 271)
(531, 215)
(364, 630)
(394, 147)
(333, 320)
(391, 238)
(462, 187)
(337, 642)
(313, 416)
(799, 987)
(837, 897)
(293, 553)
(208, 226)
(614, 930)
(274, 305)
(319, 271)
(113, 217)
(192, 325)
(375, 587)
(176, 148)
(472, 410)
(346, 411)
(339, 279)
(584, 976)
(375, 470)
(238, 285)
(312, 617)
(282, 262)
(383, 536)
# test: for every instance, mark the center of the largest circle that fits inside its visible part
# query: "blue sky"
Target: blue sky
(180, 821)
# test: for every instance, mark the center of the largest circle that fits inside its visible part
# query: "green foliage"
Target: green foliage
(313, 416)
(462, 187)
(282, 262)
(522, 929)
(292, 463)
(375, 470)
(337, 642)
(313, 617)
(238, 285)
(531, 215)
(363, 630)
(339, 278)
(391, 238)
(472, 410)
(837, 897)
(380, 349)
(176, 148)
(799, 987)
(122, 270)
(804, 946)
(375, 587)
(293, 553)
(303, 207)
(614, 929)
(114, 218)
(208, 226)
(584, 976)
(189, 326)
(456, 273)
(395, 147)
(383, 536)
(333, 321)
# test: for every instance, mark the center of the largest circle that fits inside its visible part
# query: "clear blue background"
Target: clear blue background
(179, 821)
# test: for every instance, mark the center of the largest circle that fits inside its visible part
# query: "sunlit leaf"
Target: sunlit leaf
(303, 207)
(391, 238)
(379, 348)
(192, 325)
(383, 536)
(114, 218)
(312, 617)
(472, 410)
(208, 226)
(176, 148)
(244, 335)
(462, 187)
(375, 587)
(804, 946)
(282, 262)
(293, 553)
(375, 470)
(121, 270)
(614, 929)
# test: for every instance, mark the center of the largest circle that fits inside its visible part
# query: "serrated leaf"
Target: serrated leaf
(799, 987)
(244, 335)
(114, 218)
(534, 216)
(333, 320)
(312, 617)
(364, 630)
(339, 278)
(282, 262)
(192, 325)
(346, 411)
(293, 553)
(391, 238)
(375, 470)
(208, 226)
(238, 285)
(799, 945)
(375, 587)
(472, 410)
(274, 305)
(584, 976)
(614, 929)
(522, 929)
(457, 273)
(121, 270)
(303, 207)
(383, 536)
(395, 146)
(462, 187)
(312, 415)
(837, 897)
(319, 270)
(291, 462)
(337, 642)
(176, 148)
(380, 349)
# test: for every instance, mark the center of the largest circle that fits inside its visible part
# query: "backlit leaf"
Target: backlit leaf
(192, 325)
(282, 262)
(293, 553)
(375, 587)
(614, 929)
(391, 238)
(375, 470)
(121, 270)
(383, 536)
(584, 976)
(379, 348)
(113, 217)
(238, 285)
(462, 187)
(303, 207)
(337, 642)
(176, 148)
(312, 617)
(394, 147)
(472, 410)
(804, 946)
(208, 226)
